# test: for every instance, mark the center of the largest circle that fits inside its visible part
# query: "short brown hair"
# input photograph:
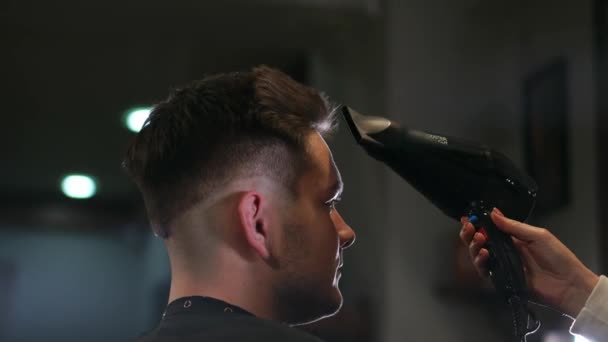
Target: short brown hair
(220, 128)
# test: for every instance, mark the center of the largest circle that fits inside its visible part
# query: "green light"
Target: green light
(136, 117)
(78, 186)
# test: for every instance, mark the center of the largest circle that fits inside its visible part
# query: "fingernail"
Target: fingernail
(477, 237)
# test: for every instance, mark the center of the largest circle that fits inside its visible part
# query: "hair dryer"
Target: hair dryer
(461, 178)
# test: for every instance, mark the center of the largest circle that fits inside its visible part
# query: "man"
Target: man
(553, 272)
(238, 180)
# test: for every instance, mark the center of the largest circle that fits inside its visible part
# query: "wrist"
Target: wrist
(580, 290)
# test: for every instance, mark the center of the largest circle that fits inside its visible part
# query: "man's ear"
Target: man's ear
(253, 217)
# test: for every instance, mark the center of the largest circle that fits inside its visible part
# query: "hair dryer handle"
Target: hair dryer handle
(506, 269)
(505, 266)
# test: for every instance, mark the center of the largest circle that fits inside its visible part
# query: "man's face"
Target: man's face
(313, 237)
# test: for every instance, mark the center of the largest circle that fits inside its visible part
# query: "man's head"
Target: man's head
(234, 169)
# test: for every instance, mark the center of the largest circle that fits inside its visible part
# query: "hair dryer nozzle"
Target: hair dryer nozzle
(362, 124)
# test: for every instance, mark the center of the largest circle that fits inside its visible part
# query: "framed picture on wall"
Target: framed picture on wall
(545, 97)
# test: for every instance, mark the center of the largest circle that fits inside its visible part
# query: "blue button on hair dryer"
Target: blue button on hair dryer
(461, 178)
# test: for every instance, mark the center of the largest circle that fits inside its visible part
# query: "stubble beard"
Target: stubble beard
(297, 306)
(300, 297)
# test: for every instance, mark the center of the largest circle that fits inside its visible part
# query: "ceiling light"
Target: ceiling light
(78, 186)
(135, 118)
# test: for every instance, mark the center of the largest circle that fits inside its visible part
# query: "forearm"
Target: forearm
(579, 291)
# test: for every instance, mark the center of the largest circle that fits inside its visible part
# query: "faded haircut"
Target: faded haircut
(222, 128)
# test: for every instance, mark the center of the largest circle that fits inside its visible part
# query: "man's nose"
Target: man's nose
(345, 232)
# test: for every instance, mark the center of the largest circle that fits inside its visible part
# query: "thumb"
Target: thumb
(515, 228)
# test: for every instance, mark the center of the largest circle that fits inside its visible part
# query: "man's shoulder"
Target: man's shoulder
(225, 329)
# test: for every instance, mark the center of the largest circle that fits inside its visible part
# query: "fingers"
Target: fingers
(515, 228)
(523, 235)
(475, 242)
(467, 231)
(476, 245)
(481, 262)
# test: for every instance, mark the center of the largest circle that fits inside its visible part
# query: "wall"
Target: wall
(71, 286)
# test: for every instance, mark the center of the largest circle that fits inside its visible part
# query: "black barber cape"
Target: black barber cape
(208, 319)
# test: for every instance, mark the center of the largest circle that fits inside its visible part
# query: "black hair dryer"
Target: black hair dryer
(461, 178)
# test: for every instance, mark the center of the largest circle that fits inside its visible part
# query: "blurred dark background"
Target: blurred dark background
(528, 78)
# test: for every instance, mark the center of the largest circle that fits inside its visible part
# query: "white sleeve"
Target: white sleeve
(592, 321)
